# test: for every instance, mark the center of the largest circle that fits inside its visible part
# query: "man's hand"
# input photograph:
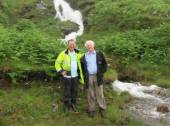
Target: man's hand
(64, 73)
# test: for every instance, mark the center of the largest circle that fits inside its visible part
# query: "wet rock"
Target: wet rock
(67, 31)
(164, 93)
(145, 110)
(162, 108)
(41, 5)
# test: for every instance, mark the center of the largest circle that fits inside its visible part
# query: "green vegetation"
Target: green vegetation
(134, 35)
(25, 48)
(139, 52)
(123, 15)
(35, 107)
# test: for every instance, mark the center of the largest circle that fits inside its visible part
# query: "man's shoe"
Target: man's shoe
(74, 108)
(102, 113)
(91, 114)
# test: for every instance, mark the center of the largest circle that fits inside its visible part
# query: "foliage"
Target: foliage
(25, 24)
(27, 49)
(149, 45)
(141, 55)
(124, 15)
(3, 18)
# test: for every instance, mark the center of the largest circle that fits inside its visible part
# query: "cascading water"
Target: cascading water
(149, 99)
(136, 90)
(65, 13)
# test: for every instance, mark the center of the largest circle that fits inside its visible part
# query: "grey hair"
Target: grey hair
(89, 41)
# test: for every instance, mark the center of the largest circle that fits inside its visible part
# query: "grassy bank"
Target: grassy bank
(35, 107)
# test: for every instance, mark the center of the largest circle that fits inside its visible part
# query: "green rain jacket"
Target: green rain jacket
(63, 63)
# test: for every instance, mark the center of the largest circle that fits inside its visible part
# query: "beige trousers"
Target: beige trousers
(95, 92)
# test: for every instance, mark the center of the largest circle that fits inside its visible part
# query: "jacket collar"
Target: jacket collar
(94, 52)
(76, 51)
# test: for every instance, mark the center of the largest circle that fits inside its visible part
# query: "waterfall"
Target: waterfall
(65, 13)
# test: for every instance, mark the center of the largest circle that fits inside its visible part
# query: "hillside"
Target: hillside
(130, 31)
(134, 36)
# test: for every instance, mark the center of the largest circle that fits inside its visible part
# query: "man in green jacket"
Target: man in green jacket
(68, 64)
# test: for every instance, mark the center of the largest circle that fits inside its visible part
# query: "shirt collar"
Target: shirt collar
(89, 53)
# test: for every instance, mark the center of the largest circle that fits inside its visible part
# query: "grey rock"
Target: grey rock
(41, 5)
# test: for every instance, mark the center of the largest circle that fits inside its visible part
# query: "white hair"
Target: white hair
(88, 42)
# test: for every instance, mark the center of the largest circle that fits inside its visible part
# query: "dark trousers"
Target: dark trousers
(70, 90)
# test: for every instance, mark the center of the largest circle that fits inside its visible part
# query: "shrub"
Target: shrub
(27, 50)
(149, 46)
(125, 15)
(24, 24)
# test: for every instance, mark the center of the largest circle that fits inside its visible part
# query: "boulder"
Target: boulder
(162, 108)
(41, 5)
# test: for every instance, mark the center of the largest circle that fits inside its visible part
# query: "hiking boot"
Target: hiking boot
(74, 108)
(91, 114)
(102, 113)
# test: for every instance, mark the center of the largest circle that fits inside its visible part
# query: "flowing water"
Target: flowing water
(65, 13)
(147, 100)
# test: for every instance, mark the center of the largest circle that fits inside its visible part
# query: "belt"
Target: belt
(92, 74)
(70, 76)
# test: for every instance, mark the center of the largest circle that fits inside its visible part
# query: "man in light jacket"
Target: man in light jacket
(68, 64)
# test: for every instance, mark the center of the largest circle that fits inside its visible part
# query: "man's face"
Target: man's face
(71, 45)
(90, 47)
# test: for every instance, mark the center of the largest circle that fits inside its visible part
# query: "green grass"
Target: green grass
(154, 74)
(110, 75)
(33, 107)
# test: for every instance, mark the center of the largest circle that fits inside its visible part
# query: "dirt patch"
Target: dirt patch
(5, 81)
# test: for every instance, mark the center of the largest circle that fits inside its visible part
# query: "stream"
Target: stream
(151, 104)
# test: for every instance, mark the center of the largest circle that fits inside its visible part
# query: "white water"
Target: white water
(147, 106)
(135, 89)
(65, 13)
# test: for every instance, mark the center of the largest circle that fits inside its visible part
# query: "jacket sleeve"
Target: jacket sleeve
(82, 64)
(104, 63)
(58, 63)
